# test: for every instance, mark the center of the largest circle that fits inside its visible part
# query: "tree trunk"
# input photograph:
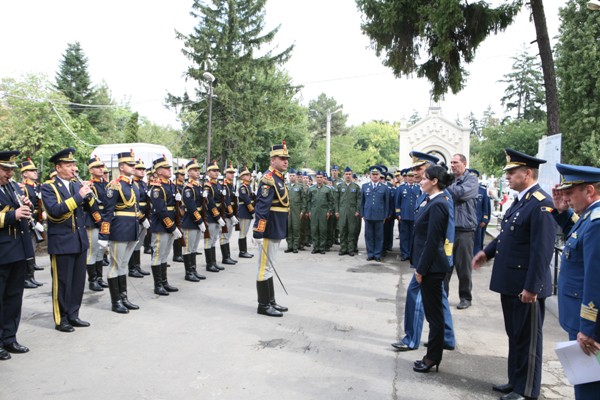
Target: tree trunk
(552, 110)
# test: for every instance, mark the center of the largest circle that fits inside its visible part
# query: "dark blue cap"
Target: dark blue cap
(319, 172)
(292, 171)
(375, 169)
(577, 174)
(335, 168)
(382, 168)
(8, 158)
(347, 169)
(354, 176)
(474, 171)
(65, 155)
(419, 158)
(515, 159)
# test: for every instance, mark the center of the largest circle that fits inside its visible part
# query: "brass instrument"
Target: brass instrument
(92, 192)
(38, 235)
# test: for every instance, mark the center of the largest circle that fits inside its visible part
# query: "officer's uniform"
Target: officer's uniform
(162, 224)
(388, 224)
(144, 206)
(374, 203)
(229, 207)
(213, 198)
(483, 207)
(523, 251)
(15, 248)
(148, 237)
(320, 203)
(406, 204)
(270, 227)
(578, 283)
(67, 243)
(348, 207)
(297, 209)
(95, 254)
(178, 184)
(121, 228)
(245, 215)
(192, 224)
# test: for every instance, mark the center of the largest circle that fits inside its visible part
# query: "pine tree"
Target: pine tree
(73, 78)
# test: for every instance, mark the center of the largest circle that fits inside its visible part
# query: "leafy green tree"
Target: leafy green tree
(317, 119)
(103, 116)
(132, 128)
(578, 69)
(73, 78)
(524, 92)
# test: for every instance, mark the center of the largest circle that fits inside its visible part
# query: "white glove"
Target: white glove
(177, 234)
(39, 195)
(223, 192)
(178, 197)
(103, 244)
(257, 242)
(146, 224)
(221, 222)
(39, 227)
(202, 227)
(235, 220)
(205, 194)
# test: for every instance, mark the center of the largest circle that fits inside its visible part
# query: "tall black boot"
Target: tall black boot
(264, 304)
(105, 262)
(99, 266)
(209, 265)
(138, 262)
(272, 297)
(133, 272)
(193, 268)
(93, 278)
(165, 282)
(177, 251)
(213, 257)
(158, 286)
(30, 282)
(243, 244)
(115, 296)
(123, 293)
(187, 264)
(147, 242)
(226, 256)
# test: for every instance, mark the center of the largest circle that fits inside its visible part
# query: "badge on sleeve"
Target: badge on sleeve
(265, 190)
(188, 193)
(109, 193)
(155, 194)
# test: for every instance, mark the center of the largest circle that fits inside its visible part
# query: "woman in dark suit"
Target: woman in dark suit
(430, 260)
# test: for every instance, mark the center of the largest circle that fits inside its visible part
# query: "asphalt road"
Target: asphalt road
(207, 342)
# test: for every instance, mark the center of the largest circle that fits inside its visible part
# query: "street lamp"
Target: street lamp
(328, 140)
(210, 78)
(593, 5)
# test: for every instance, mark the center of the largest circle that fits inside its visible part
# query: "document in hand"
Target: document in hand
(579, 367)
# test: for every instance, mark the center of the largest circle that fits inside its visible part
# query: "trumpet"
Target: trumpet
(92, 192)
(38, 235)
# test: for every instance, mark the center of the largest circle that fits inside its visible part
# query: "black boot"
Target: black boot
(138, 262)
(115, 296)
(158, 286)
(93, 278)
(243, 244)
(105, 262)
(213, 257)
(196, 274)
(209, 265)
(226, 256)
(30, 282)
(187, 264)
(165, 282)
(99, 266)
(264, 305)
(272, 297)
(123, 293)
(177, 251)
(133, 272)
(147, 242)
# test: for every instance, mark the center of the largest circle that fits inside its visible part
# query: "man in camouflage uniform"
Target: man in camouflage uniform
(297, 210)
(348, 213)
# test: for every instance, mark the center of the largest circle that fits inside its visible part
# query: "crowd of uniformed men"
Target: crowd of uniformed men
(88, 220)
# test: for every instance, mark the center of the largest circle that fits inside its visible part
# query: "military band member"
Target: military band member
(163, 195)
(246, 203)
(179, 183)
(15, 250)
(270, 227)
(64, 201)
(192, 225)
(148, 239)
(348, 213)
(31, 189)
(228, 209)
(213, 197)
(320, 207)
(120, 230)
(95, 253)
(297, 210)
(135, 264)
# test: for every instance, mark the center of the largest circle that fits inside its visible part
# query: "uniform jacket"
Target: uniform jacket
(229, 198)
(524, 248)
(483, 206)
(32, 191)
(143, 202)
(406, 201)
(428, 254)
(375, 201)
(348, 198)
(15, 239)
(67, 233)
(246, 202)
(121, 213)
(320, 199)
(213, 193)
(98, 186)
(298, 200)
(272, 207)
(192, 200)
(162, 196)
(464, 192)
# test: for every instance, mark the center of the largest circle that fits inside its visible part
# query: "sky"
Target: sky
(131, 45)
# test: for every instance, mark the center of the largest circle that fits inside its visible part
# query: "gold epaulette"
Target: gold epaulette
(114, 185)
(268, 179)
(538, 195)
(155, 183)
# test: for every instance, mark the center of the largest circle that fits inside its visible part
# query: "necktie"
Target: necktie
(71, 188)
(7, 191)
(516, 200)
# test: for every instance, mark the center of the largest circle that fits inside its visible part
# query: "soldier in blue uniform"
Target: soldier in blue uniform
(521, 273)
(406, 204)
(16, 248)
(390, 220)
(270, 227)
(193, 225)
(31, 189)
(578, 283)
(95, 254)
(245, 211)
(66, 202)
(483, 215)
(134, 264)
(374, 208)
(213, 198)
(179, 183)
(163, 195)
(229, 207)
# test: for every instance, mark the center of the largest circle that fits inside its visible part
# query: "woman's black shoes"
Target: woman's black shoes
(425, 365)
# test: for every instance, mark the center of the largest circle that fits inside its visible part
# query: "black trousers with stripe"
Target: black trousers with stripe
(12, 277)
(68, 282)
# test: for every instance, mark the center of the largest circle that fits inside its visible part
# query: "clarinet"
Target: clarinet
(92, 192)
(38, 235)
